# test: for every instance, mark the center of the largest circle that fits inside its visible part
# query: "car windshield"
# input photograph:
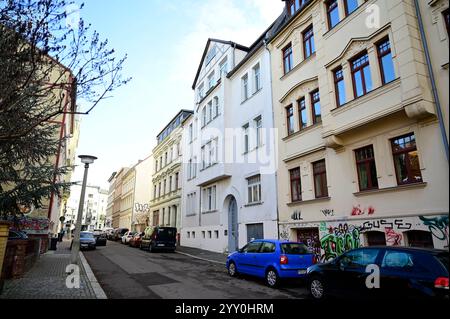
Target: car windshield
(86, 235)
(294, 249)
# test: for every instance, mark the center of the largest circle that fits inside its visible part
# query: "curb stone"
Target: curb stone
(99, 293)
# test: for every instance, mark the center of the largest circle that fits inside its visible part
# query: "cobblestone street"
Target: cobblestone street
(47, 279)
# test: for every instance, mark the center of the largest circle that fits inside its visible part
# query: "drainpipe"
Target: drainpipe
(273, 121)
(432, 78)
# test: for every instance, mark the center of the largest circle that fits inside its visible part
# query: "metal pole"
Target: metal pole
(76, 239)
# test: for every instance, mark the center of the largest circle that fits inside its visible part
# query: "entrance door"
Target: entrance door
(255, 231)
(310, 237)
(233, 231)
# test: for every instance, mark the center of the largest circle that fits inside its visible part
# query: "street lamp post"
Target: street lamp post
(86, 160)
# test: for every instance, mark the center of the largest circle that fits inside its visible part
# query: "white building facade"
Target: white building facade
(228, 173)
(142, 194)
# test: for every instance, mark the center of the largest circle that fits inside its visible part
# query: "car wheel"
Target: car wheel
(232, 270)
(317, 288)
(272, 279)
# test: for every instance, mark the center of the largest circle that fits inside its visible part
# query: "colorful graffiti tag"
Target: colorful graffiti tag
(438, 226)
(393, 238)
(339, 240)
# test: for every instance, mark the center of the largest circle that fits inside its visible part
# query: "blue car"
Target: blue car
(272, 260)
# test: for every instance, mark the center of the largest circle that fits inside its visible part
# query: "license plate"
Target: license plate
(302, 272)
(161, 245)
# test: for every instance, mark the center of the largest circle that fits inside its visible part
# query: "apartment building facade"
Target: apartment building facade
(110, 203)
(360, 158)
(117, 199)
(127, 198)
(142, 194)
(228, 196)
(166, 178)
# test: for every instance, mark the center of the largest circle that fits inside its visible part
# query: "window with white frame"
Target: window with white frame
(209, 199)
(170, 184)
(245, 130)
(244, 81)
(201, 91)
(203, 154)
(254, 189)
(258, 128)
(257, 78)
(209, 115)
(194, 167)
(204, 121)
(209, 153)
(191, 133)
(191, 204)
(224, 67)
(190, 169)
(211, 81)
(215, 107)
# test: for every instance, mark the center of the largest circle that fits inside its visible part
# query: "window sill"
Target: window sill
(310, 201)
(254, 204)
(391, 189)
(210, 212)
(302, 131)
(204, 169)
(250, 97)
(191, 215)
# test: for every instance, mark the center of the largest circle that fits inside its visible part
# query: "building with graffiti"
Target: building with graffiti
(142, 194)
(361, 158)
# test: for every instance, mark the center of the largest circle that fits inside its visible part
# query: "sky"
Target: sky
(164, 41)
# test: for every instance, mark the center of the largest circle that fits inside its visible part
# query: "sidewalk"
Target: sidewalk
(202, 254)
(47, 279)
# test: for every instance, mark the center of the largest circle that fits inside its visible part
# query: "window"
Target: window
(339, 86)
(359, 258)
(333, 13)
(362, 78)
(316, 111)
(290, 120)
(287, 59)
(419, 238)
(385, 60)
(376, 238)
(211, 81)
(170, 183)
(191, 133)
(203, 157)
(155, 187)
(216, 234)
(294, 5)
(245, 129)
(209, 112)
(244, 87)
(201, 91)
(258, 126)
(204, 121)
(303, 113)
(156, 166)
(159, 189)
(257, 78)
(367, 171)
(320, 179)
(203, 234)
(296, 185)
(254, 189)
(350, 6)
(209, 202)
(252, 247)
(308, 42)
(211, 54)
(447, 20)
(397, 259)
(165, 184)
(215, 107)
(406, 159)
(194, 168)
(193, 234)
(268, 248)
(224, 67)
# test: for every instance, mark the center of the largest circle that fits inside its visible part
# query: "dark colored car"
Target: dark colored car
(159, 238)
(100, 238)
(118, 233)
(87, 241)
(136, 240)
(271, 260)
(403, 273)
(17, 235)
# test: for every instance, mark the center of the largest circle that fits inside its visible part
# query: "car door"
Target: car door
(248, 259)
(266, 257)
(353, 272)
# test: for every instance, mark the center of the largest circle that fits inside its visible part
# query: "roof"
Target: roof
(170, 122)
(258, 43)
(205, 51)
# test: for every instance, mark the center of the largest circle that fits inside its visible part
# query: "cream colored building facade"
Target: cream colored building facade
(127, 199)
(360, 155)
(166, 178)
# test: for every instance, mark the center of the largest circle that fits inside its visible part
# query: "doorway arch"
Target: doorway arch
(233, 225)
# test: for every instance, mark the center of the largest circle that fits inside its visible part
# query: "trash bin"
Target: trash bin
(53, 243)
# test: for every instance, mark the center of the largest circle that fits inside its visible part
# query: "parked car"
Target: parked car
(159, 238)
(127, 237)
(403, 271)
(272, 260)
(136, 240)
(118, 233)
(17, 235)
(110, 234)
(87, 240)
(100, 238)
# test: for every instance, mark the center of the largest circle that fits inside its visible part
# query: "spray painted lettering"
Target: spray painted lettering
(339, 240)
(438, 226)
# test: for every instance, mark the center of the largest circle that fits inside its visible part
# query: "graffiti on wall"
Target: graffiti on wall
(339, 240)
(393, 238)
(328, 212)
(398, 224)
(358, 211)
(142, 208)
(297, 215)
(438, 226)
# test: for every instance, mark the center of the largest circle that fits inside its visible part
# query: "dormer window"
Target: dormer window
(295, 5)
(211, 54)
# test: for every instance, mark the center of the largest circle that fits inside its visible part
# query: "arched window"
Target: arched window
(376, 238)
(419, 238)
